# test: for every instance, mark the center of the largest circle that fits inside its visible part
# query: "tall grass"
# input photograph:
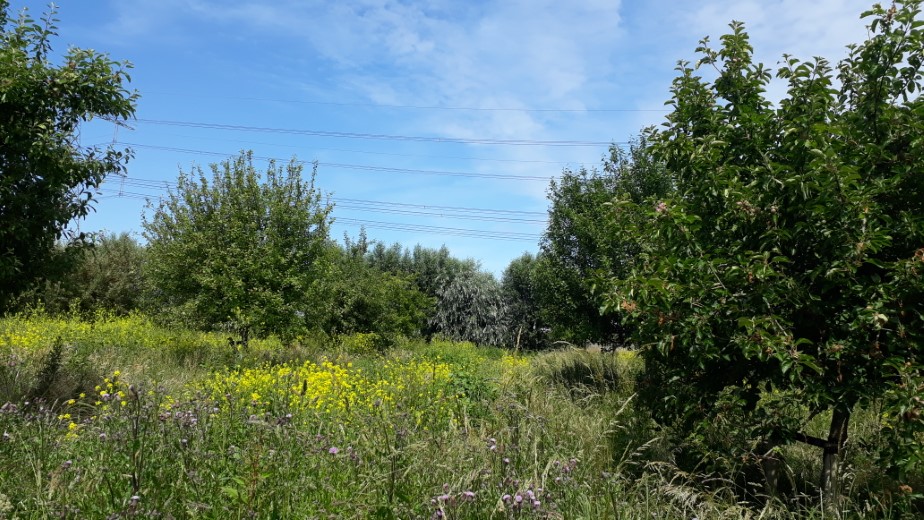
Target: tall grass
(339, 430)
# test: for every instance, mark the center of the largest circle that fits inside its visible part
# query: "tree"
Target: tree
(470, 307)
(582, 243)
(107, 276)
(785, 276)
(367, 299)
(247, 249)
(47, 179)
(521, 292)
(430, 270)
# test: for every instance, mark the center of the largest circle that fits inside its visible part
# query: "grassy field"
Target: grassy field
(117, 417)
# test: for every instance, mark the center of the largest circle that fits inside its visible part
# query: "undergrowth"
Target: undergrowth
(180, 424)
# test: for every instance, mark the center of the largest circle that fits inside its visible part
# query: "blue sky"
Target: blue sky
(499, 97)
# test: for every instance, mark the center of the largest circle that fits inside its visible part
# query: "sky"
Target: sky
(435, 122)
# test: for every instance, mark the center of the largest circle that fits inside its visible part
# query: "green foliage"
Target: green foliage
(471, 307)
(582, 242)
(367, 300)
(585, 372)
(431, 271)
(419, 430)
(46, 178)
(246, 249)
(105, 276)
(522, 293)
(787, 267)
(430, 268)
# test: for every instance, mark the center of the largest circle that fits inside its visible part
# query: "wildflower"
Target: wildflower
(102, 436)
(66, 464)
(333, 450)
(506, 498)
(661, 207)
(518, 498)
(443, 498)
(468, 495)
(536, 504)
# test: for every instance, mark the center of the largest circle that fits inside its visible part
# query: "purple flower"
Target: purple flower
(443, 498)
(468, 495)
(518, 498)
(506, 498)
(333, 450)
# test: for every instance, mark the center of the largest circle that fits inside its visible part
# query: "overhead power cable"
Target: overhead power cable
(391, 226)
(356, 135)
(370, 152)
(473, 233)
(359, 167)
(449, 212)
(415, 107)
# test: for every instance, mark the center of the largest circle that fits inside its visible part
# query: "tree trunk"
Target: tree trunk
(772, 466)
(830, 466)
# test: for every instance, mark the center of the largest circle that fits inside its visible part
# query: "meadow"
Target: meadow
(114, 417)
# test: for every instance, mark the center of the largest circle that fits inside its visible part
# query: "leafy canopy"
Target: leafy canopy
(245, 249)
(788, 266)
(581, 242)
(47, 178)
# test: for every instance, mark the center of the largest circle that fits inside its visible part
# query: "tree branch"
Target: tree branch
(814, 441)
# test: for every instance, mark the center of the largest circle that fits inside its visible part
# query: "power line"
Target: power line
(485, 218)
(453, 212)
(386, 137)
(392, 226)
(359, 167)
(472, 233)
(454, 208)
(390, 154)
(417, 107)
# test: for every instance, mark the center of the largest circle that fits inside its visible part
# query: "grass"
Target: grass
(135, 420)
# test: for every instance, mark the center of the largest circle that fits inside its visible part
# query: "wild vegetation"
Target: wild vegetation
(749, 277)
